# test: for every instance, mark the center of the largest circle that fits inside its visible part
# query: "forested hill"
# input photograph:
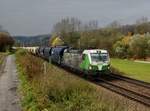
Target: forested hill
(39, 40)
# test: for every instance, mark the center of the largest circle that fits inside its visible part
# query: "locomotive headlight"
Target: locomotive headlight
(90, 67)
(93, 67)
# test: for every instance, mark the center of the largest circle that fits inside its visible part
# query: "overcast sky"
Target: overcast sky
(32, 17)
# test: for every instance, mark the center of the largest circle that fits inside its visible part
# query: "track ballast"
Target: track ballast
(133, 95)
(108, 81)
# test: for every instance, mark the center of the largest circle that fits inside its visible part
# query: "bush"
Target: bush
(21, 52)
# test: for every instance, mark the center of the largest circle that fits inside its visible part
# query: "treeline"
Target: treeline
(135, 46)
(85, 35)
(6, 41)
(27, 41)
(81, 35)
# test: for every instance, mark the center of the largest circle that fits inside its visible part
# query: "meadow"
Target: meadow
(140, 71)
(2, 56)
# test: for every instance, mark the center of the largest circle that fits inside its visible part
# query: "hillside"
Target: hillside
(39, 40)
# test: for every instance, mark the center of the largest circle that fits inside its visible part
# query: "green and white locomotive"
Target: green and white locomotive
(91, 60)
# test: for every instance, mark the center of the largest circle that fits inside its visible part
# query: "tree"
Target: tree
(56, 41)
(142, 26)
(142, 20)
(67, 25)
(120, 49)
(68, 29)
(148, 49)
(138, 46)
(114, 24)
(6, 41)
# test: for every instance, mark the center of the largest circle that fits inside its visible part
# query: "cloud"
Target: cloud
(32, 17)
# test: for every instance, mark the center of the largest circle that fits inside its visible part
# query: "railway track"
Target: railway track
(108, 82)
(130, 80)
(125, 91)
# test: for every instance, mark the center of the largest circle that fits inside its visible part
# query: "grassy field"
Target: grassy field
(140, 71)
(58, 90)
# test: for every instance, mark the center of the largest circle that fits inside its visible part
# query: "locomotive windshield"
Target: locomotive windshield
(97, 57)
(104, 56)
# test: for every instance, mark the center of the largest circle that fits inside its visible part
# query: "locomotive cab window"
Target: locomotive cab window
(96, 57)
(105, 56)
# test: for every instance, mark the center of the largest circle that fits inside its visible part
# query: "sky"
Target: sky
(33, 17)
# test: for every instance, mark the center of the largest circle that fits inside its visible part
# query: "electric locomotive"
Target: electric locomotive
(91, 60)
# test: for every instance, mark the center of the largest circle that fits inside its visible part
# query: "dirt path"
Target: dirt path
(146, 62)
(9, 100)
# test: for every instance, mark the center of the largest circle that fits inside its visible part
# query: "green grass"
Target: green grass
(28, 100)
(2, 56)
(58, 90)
(140, 71)
(1, 59)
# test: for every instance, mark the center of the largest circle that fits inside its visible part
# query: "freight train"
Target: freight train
(93, 61)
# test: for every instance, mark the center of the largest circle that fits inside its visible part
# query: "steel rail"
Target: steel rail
(133, 81)
(125, 92)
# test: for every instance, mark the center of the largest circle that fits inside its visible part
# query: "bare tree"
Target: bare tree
(142, 20)
(67, 25)
(114, 24)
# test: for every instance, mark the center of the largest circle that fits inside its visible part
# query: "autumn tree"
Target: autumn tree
(6, 41)
(138, 46)
(56, 40)
(68, 29)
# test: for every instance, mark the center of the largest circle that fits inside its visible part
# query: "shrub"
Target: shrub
(21, 52)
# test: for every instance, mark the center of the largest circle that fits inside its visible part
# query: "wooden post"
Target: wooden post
(44, 65)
